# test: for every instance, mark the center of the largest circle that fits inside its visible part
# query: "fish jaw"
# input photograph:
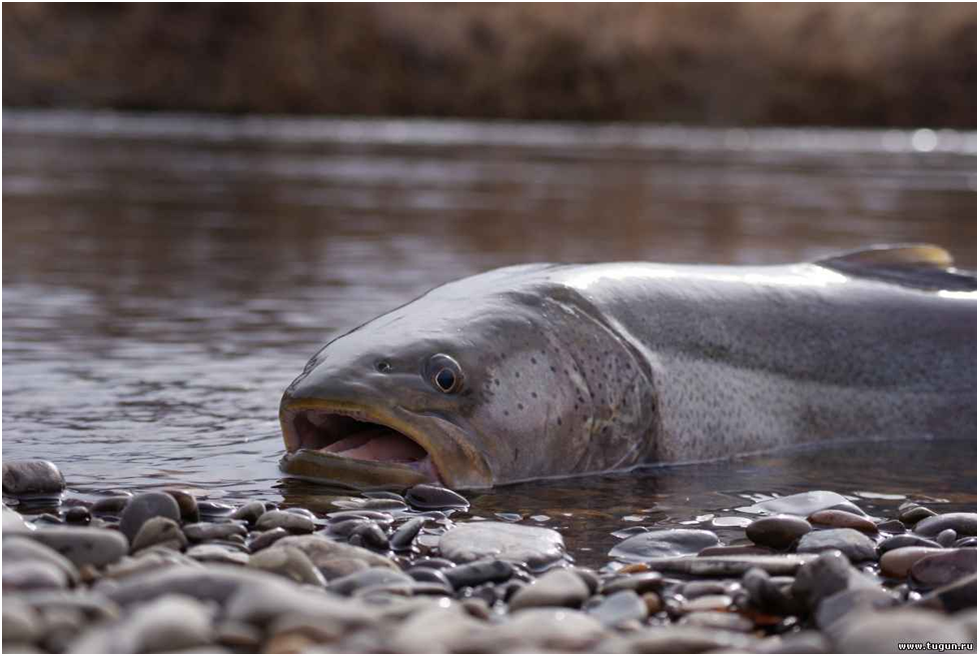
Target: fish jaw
(374, 447)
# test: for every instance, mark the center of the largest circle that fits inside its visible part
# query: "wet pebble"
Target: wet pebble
(21, 549)
(370, 535)
(843, 604)
(640, 583)
(956, 596)
(897, 563)
(33, 575)
(146, 506)
(288, 562)
(292, 522)
(84, 546)
(32, 477)
(872, 632)
(619, 608)
(732, 565)
(963, 524)
(853, 544)
(473, 574)
(965, 542)
(433, 497)
(913, 514)
(161, 532)
(249, 512)
(825, 576)
(211, 553)
(777, 531)
(112, 505)
(737, 550)
(946, 538)
(663, 543)
(842, 519)
(21, 623)
(907, 540)
(806, 503)
(169, 623)
(890, 526)
(428, 575)
(405, 534)
(206, 531)
(707, 603)
(948, 566)
(187, 503)
(545, 629)
(684, 639)
(79, 515)
(559, 587)
(533, 545)
(321, 549)
(263, 539)
(694, 589)
(368, 578)
(334, 568)
(719, 620)
(766, 594)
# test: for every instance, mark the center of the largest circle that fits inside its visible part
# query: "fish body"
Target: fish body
(547, 370)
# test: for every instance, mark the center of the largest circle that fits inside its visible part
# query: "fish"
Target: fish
(550, 370)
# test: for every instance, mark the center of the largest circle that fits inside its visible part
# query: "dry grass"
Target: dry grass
(843, 64)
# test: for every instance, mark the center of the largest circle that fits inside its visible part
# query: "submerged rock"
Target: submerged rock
(533, 545)
(663, 543)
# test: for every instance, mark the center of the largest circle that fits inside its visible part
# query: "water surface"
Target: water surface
(165, 277)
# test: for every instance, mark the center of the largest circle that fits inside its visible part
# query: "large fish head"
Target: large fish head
(472, 385)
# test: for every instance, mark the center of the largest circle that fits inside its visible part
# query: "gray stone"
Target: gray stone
(93, 605)
(663, 543)
(405, 535)
(851, 543)
(249, 512)
(78, 515)
(914, 514)
(559, 587)
(868, 631)
(545, 629)
(13, 522)
(767, 595)
(212, 553)
(32, 477)
(825, 576)
(374, 576)
(847, 602)
(148, 560)
(18, 549)
(707, 603)
(146, 506)
(685, 639)
(945, 567)
(640, 583)
(216, 582)
(334, 568)
(292, 522)
(84, 546)
(187, 503)
(166, 624)
(899, 541)
(963, 524)
(619, 608)
(484, 571)
(842, 519)
(33, 575)
(205, 531)
(321, 549)
(265, 539)
(111, 505)
(289, 562)
(946, 538)
(159, 531)
(261, 603)
(806, 503)
(777, 531)
(432, 497)
(719, 620)
(897, 563)
(21, 623)
(953, 597)
(437, 630)
(777, 565)
(537, 547)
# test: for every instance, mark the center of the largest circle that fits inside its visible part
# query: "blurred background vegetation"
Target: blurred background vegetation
(745, 64)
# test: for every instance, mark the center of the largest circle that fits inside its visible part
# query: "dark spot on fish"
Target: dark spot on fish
(517, 375)
(520, 406)
(553, 370)
(558, 421)
(506, 413)
(534, 394)
(496, 381)
(533, 360)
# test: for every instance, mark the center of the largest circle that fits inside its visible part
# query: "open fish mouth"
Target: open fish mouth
(354, 435)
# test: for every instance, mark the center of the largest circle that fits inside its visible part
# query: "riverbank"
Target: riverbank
(880, 65)
(384, 572)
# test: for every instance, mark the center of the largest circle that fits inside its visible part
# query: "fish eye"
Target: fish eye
(445, 374)
(383, 366)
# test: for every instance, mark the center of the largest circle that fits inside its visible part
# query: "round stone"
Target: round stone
(537, 547)
(559, 587)
(187, 503)
(84, 546)
(249, 512)
(777, 531)
(160, 531)
(405, 535)
(32, 477)
(292, 522)
(619, 608)
(963, 524)
(853, 544)
(842, 519)
(897, 563)
(945, 567)
(206, 531)
(663, 543)
(907, 540)
(146, 506)
(473, 574)
(289, 562)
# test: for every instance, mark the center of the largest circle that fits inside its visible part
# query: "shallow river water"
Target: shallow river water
(165, 278)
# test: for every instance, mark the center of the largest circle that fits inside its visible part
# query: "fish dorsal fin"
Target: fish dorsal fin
(923, 266)
(915, 255)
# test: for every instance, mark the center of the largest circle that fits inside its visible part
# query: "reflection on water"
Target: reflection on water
(165, 278)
